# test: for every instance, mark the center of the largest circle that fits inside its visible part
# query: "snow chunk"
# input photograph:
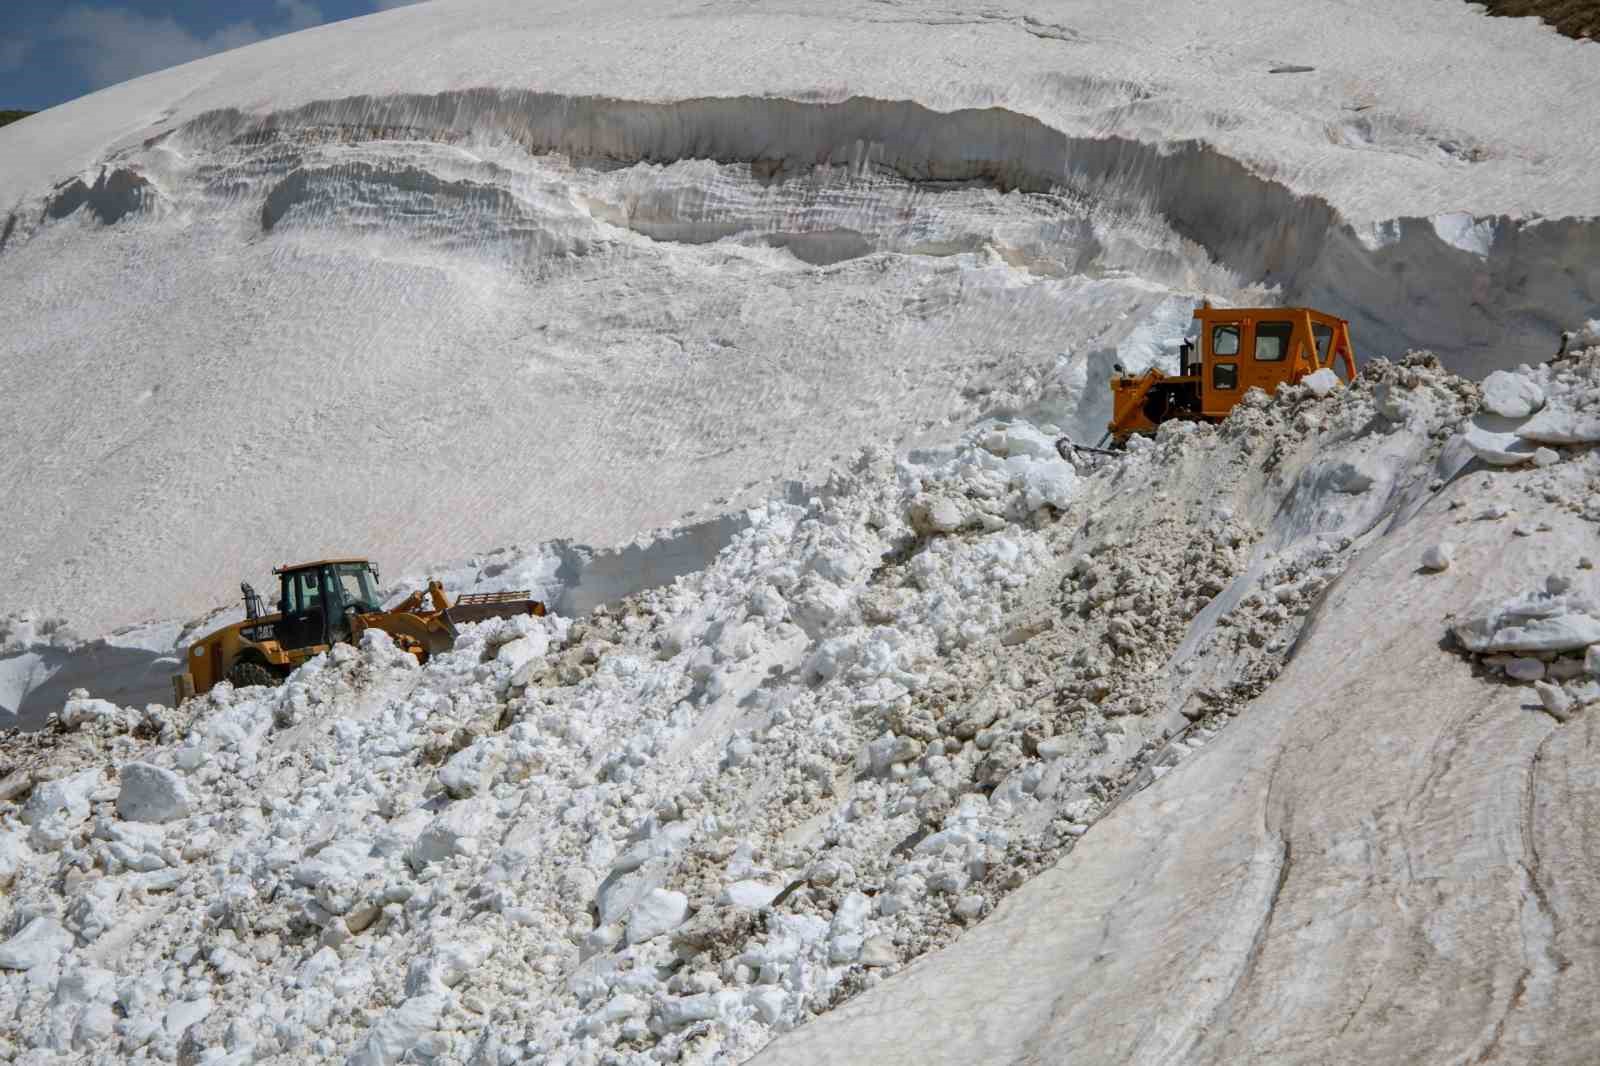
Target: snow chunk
(13, 855)
(656, 912)
(67, 797)
(81, 710)
(1556, 701)
(1555, 425)
(751, 894)
(1511, 395)
(412, 1026)
(151, 794)
(454, 832)
(1536, 621)
(470, 770)
(1498, 448)
(1321, 382)
(185, 1013)
(878, 951)
(41, 942)
(1439, 556)
(937, 514)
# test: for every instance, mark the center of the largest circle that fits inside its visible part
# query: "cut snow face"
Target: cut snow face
(711, 812)
(492, 301)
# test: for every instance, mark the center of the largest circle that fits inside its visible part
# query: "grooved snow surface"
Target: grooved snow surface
(481, 272)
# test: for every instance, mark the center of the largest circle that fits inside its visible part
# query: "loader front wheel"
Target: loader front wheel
(252, 672)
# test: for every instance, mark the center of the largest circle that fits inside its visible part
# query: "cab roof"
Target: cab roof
(286, 568)
(1206, 310)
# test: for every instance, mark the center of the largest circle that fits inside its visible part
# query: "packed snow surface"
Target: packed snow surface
(475, 273)
(972, 752)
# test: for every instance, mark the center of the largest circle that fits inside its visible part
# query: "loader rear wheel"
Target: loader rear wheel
(252, 672)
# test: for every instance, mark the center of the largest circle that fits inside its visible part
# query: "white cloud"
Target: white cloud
(111, 44)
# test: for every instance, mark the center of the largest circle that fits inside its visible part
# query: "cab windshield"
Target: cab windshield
(360, 591)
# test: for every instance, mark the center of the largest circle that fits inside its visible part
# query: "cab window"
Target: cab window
(1224, 375)
(300, 591)
(1324, 338)
(357, 586)
(1225, 340)
(1272, 341)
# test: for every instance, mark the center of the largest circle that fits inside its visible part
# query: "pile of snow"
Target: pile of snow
(702, 816)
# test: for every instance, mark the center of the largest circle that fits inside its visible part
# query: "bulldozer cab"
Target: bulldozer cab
(317, 600)
(1245, 348)
(1234, 349)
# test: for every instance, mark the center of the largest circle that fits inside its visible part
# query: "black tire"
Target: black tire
(247, 672)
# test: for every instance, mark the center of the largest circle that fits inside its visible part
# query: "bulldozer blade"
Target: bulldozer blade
(476, 606)
(1067, 442)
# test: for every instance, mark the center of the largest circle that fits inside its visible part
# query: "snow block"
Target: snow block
(407, 1027)
(1555, 425)
(1322, 382)
(1534, 622)
(1511, 395)
(151, 794)
(67, 797)
(1498, 448)
(658, 911)
(41, 942)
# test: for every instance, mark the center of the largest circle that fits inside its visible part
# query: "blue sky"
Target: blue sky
(54, 50)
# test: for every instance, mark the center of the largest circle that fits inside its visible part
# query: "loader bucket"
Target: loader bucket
(476, 606)
(433, 632)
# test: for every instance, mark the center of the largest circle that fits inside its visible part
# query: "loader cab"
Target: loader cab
(316, 600)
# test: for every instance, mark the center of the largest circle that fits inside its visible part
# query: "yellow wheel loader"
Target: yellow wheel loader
(327, 602)
(1240, 348)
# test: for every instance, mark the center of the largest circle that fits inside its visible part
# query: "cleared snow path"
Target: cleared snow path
(1385, 826)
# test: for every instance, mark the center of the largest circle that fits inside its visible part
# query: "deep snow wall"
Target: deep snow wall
(1483, 292)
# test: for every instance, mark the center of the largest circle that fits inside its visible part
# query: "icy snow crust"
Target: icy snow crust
(480, 273)
(1178, 739)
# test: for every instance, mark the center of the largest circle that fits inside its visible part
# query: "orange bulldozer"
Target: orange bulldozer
(1240, 348)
